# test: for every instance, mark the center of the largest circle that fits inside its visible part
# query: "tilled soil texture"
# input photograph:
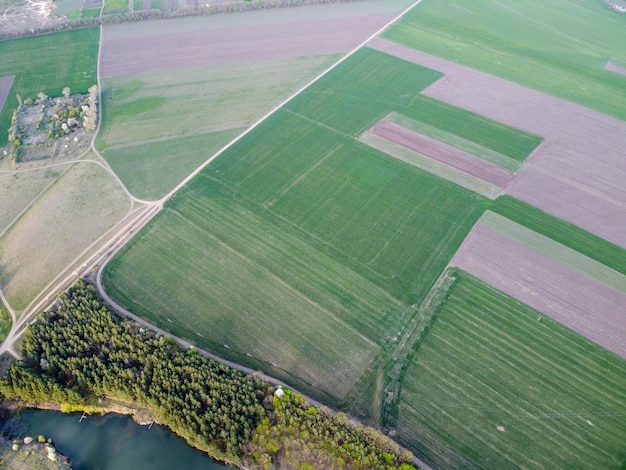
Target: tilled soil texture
(225, 39)
(5, 87)
(566, 295)
(443, 153)
(576, 174)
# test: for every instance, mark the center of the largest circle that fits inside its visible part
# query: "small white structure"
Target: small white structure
(279, 392)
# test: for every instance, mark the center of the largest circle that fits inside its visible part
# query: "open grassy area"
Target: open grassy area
(491, 386)
(261, 276)
(301, 251)
(158, 127)
(64, 220)
(17, 190)
(47, 63)
(151, 169)
(116, 5)
(562, 232)
(556, 47)
(5, 322)
(386, 84)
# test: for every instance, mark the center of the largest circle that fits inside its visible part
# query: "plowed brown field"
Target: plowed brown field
(577, 173)
(245, 37)
(443, 153)
(563, 293)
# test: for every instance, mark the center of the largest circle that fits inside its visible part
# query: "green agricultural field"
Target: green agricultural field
(562, 232)
(432, 166)
(47, 63)
(116, 5)
(302, 251)
(494, 384)
(300, 216)
(64, 220)
(91, 13)
(158, 127)
(556, 47)
(386, 84)
(5, 322)
(153, 168)
(263, 282)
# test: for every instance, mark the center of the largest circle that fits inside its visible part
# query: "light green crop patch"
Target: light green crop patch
(556, 47)
(491, 386)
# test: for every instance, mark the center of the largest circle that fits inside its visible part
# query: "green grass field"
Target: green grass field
(386, 84)
(562, 232)
(5, 322)
(18, 190)
(65, 219)
(94, 13)
(158, 127)
(512, 164)
(490, 386)
(116, 5)
(268, 277)
(556, 47)
(47, 63)
(297, 227)
(151, 169)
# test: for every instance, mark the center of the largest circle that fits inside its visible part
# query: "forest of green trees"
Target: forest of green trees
(81, 351)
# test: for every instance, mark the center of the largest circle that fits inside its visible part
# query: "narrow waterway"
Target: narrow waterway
(110, 442)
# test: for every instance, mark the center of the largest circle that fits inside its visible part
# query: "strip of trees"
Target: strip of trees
(203, 9)
(80, 351)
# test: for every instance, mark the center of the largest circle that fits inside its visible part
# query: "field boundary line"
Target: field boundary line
(415, 330)
(282, 103)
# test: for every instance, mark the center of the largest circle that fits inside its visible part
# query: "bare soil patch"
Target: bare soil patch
(443, 153)
(576, 174)
(611, 67)
(579, 302)
(5, 87)
(226, 39)
(25, 17)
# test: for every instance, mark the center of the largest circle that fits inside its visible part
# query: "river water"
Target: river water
(111, 442)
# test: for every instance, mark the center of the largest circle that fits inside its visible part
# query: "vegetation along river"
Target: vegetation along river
(110, 442)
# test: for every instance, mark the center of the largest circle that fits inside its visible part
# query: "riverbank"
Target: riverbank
(31, 454)
(108, 442)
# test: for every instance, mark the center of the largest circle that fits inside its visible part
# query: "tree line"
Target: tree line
(79, 352)
(190, 10)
